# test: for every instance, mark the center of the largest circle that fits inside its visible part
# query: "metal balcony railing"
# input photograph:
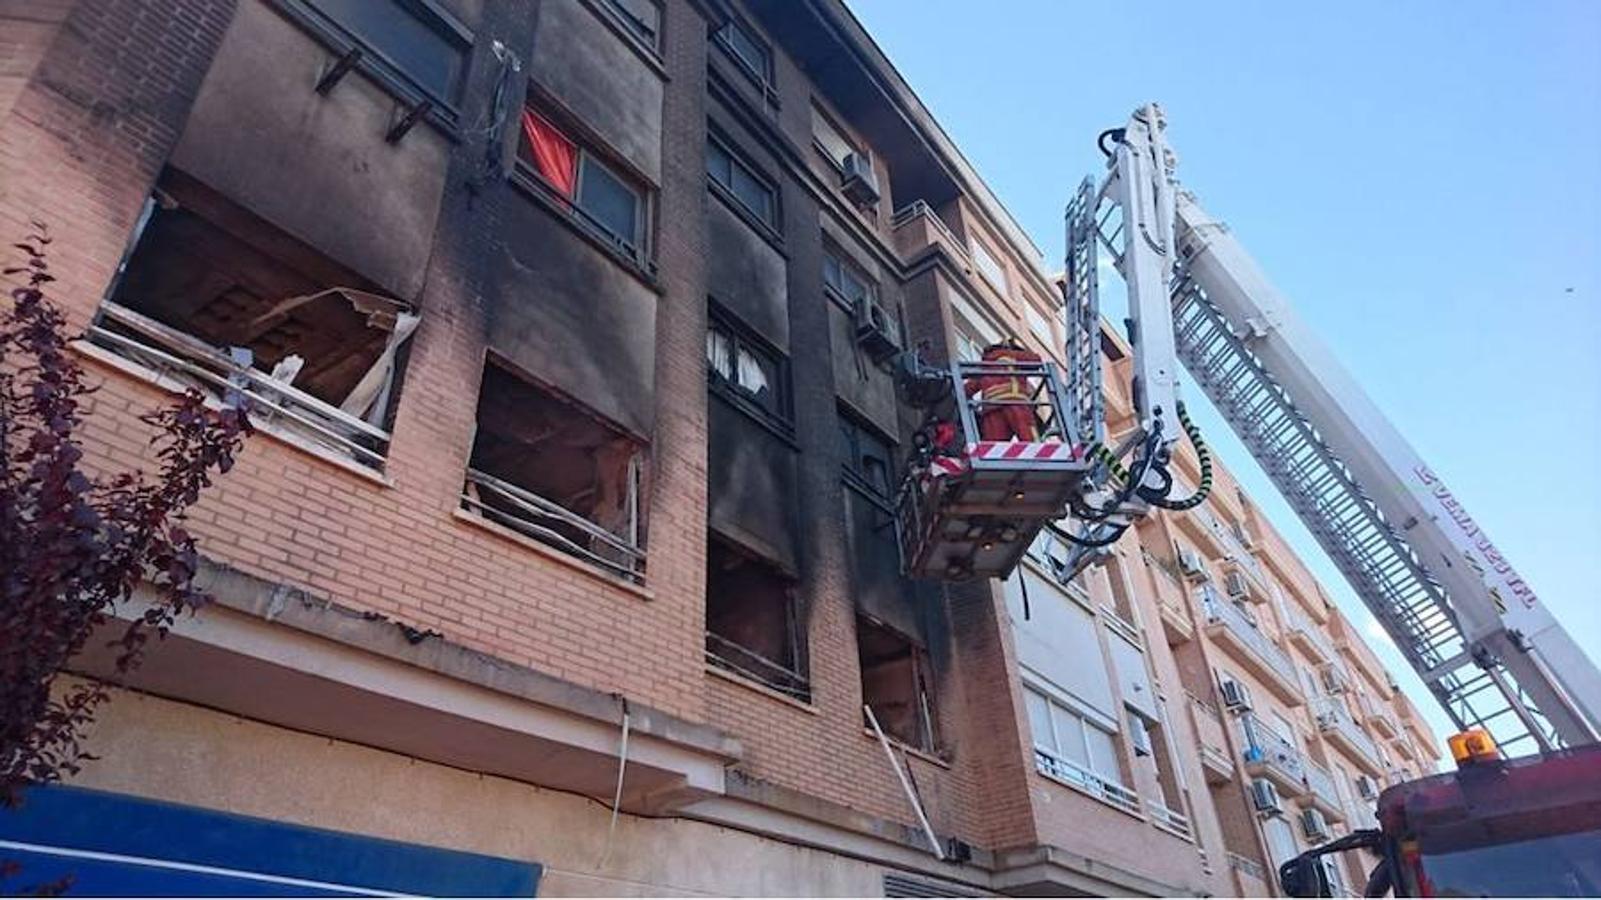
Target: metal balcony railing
(1307, 631)
(1334, 720)
(1171, 820)
(1323, 788)
(550, 523)
(919, 211)
(274, 406)
(1261, 746)
(1072, 774)
(1224, 612)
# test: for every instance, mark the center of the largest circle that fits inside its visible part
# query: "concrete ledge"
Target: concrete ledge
(1044, 870)
(274, 653)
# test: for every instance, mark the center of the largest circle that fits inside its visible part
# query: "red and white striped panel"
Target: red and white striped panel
(1022, 451)
(944, 466)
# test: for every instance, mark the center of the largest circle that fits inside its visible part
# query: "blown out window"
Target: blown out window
(601, 198)
(747, 371)
(751, 622)
(897, 683)
(555, 473)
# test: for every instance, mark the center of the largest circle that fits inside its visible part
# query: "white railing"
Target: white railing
(1249, 866)
(1264, 745)
(918, 208)
(541, 519)
(273, 405)
(1073, 775)
(1322, 785)
(1171, 819)
(1332, 716)
(1302, 623)
(1223, 611)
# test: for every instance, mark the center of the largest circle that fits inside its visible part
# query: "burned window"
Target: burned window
(868, 458)
(212, 297)
(751, 622)
(607, 203)
(742, 181)
(746, 370)
(546, 468)
(897, 683)
(414, 39)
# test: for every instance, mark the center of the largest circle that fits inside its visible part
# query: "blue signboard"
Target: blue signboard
(115, 844)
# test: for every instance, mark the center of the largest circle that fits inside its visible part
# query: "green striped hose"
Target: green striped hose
(1101, 454)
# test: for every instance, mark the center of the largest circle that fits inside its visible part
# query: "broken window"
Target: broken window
(212, 297)
(897, 683)
(602, 199)
(743, 368)
(869, 459)
(542, 466)
(751, 622)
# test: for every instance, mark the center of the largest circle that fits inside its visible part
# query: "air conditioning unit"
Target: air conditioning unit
(1235, 695)
(1192, 567)
(1334, 680)
(877, 329)
(1243, 536)
(1235, 583)
(858, 179)
(1314, 826)
(1265, 797)
(1367, 788)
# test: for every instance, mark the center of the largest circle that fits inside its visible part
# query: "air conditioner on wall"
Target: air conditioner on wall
(1265, 797)
(1235, 695)
(1367, 788)
(1192, 567)
(1334, 680)
(877, 329)
(1236, 585)
(858, 179)
(1314, 825)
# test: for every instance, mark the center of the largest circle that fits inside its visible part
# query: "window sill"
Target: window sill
(935, 758)
(442, 115)
(552, 554)
(758, 687)
(768, 232)
(527, 184)
(128, 367)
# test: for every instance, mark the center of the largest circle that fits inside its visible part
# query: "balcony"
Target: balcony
(1064, 770)
(917, 227)
(1380, 720)
(1306, 635)
(1268, 754)
(1235, 630)
(1322, 793)
(1171, 820)
(1337, 726)
(1176, 624)
(1250, 878)
(1215, 757)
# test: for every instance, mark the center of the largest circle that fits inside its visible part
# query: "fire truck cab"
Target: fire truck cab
(1528, 827)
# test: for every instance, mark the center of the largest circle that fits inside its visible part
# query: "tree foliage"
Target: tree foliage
(74, 545)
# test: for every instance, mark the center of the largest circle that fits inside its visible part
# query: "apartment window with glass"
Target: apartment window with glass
(744, 369)
(602, 199)
(988, 265)
(748, 187)
(1070, 747)
(844, 283)
(413, 39)
(830, 139)
(753, 54)
(869, 461)
(642, 17)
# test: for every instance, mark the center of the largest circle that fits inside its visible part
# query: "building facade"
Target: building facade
(566, 545)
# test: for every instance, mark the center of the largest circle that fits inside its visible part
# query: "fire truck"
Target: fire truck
(985, 480)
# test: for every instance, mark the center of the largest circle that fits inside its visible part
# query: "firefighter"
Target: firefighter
(1006, 413)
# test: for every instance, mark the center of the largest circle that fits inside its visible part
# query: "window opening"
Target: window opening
(409, 35)
(551, 471)
(213, 298)
(741, 367)
(752, 625)
(607, 204)
(897, 683)
(749, 188)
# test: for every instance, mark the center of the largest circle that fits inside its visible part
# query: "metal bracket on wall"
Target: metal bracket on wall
(412, 117)
(341, 67)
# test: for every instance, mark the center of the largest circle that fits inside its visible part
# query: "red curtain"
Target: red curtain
(555, 157)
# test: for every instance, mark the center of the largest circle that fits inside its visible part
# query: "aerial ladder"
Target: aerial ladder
(1473, 629)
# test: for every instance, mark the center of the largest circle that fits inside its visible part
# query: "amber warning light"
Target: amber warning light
(1473, 746)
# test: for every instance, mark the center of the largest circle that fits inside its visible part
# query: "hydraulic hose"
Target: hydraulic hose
(1202, 455)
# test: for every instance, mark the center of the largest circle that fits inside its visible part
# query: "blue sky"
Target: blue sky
(1421, 180)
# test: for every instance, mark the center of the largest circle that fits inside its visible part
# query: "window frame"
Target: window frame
(652, 40)
(849, 466)
(1052, 707)
(737, 158)
(923, 685)
(980, 250)
(847, 268)
(380, 67)
(831, 122)
(637, 250)
(740, 336)
(762, 76)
